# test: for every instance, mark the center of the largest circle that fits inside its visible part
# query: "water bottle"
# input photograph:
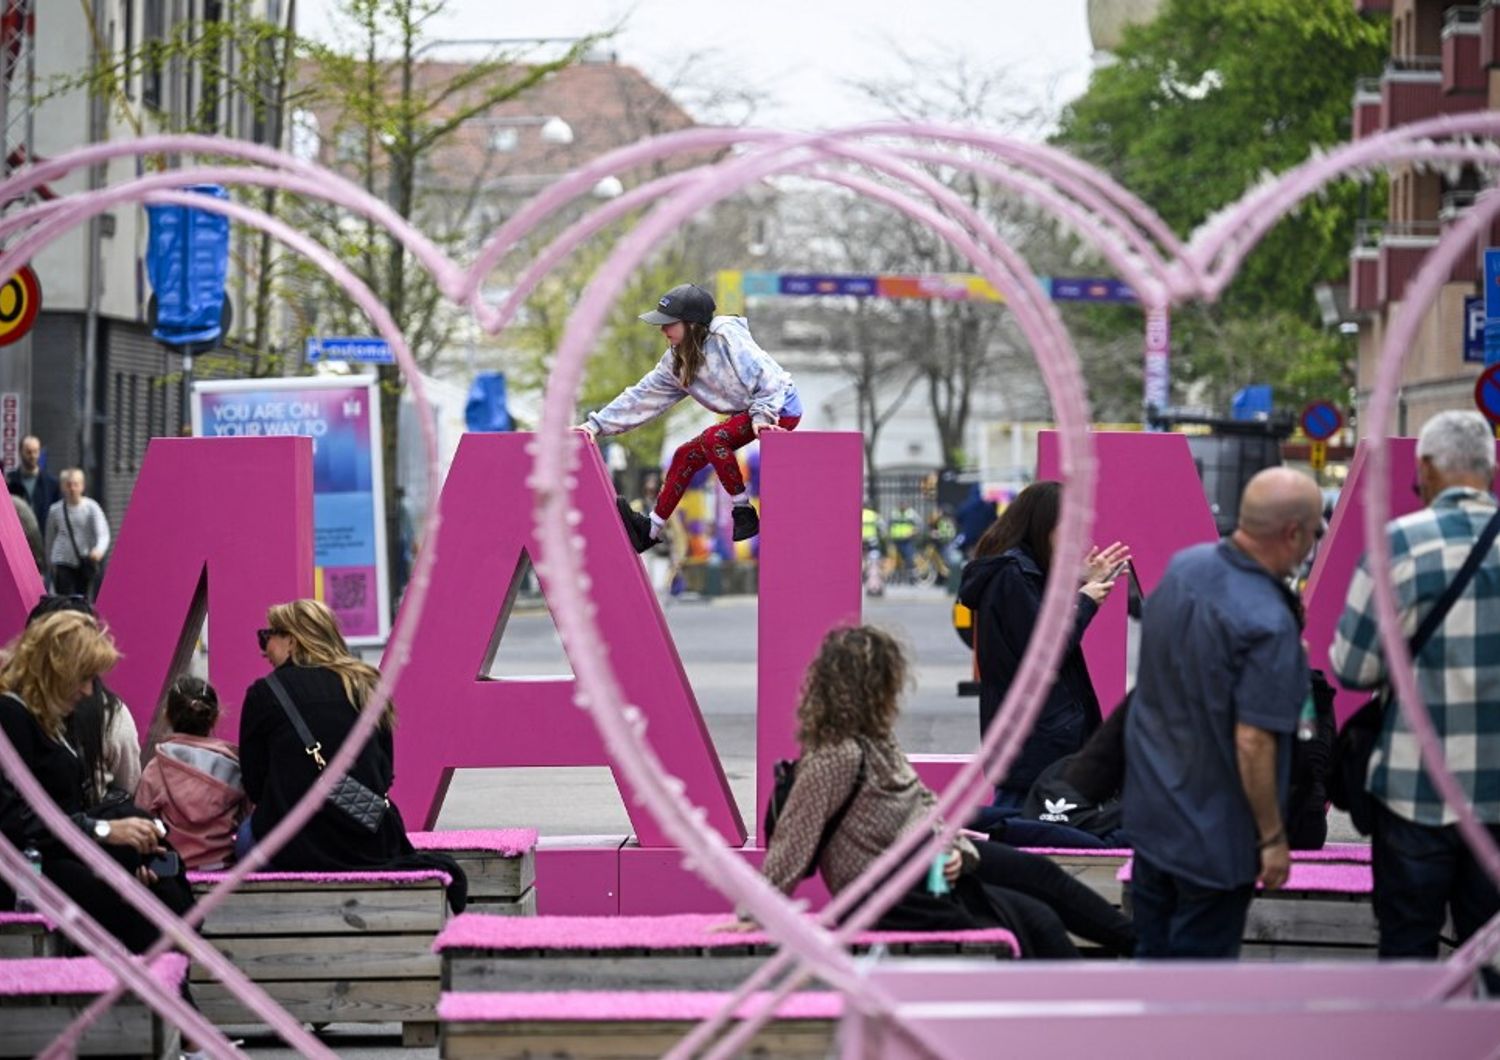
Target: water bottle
(33, 858)
(937, 883)
(1307, 723)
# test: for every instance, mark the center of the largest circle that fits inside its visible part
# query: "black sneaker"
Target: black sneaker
(637, 526)
(746, 522)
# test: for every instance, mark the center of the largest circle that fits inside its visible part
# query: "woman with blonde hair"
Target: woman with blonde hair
(319, 686)
(856, 793)
(55, 663)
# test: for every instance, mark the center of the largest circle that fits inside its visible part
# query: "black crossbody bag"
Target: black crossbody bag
(1349, 768)
(350, 797)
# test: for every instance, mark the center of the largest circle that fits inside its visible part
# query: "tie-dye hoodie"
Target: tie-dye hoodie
(737, 376)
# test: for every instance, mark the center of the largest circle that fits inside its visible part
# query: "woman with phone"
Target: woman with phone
(53, 665)
(1003, 586)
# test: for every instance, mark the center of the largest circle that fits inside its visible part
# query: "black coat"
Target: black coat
(1005, 594)
(277, 771)
(48, 492)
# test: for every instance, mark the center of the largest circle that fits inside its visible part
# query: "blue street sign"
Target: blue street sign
(1487, 393)
(1492, 306)
(1474, 330)
(1321, 421)
(365, 351)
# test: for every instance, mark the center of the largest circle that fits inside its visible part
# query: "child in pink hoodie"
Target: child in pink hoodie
(193, 781)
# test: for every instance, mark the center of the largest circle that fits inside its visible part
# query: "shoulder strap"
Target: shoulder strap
(832, 824)
(312, 746)
(1456, 587)
(69, 524)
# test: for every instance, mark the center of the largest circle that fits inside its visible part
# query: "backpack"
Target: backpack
(783, 777)
(1055, 801)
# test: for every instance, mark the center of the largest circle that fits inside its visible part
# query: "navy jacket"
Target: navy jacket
(1005, 594)
(48, 492)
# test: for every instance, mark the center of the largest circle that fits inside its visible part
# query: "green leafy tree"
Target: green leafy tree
(1201, 103)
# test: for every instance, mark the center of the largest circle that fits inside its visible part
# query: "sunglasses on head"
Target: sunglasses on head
(264, 636)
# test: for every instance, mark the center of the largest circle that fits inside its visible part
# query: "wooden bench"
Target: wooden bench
(356, 947)
(39, 996)
(622, 1026)
(670, 953)
(1324, 911)
(28, 935)
(1097, 869)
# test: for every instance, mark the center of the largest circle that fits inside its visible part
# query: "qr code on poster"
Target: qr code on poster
(346, 592)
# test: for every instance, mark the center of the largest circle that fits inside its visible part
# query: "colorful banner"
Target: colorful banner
(1090, 289)
(341, 414)
(735, 286)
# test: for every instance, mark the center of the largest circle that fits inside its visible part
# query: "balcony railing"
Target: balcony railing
(1414, 64)
(1371, 232)
(1462, 19)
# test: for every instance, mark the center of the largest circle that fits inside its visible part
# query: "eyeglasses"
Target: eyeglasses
(264, 636)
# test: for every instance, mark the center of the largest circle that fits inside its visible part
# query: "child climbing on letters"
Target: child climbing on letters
(714, 360)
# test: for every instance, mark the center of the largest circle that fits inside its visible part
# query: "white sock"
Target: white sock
(657, 522)
(739, 499)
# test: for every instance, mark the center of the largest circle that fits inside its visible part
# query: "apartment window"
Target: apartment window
(118, 395)
(153, 57)
(127, 26)
(213, 66)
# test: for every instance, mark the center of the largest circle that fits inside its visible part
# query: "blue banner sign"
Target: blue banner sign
(1492, 306)
(365, 351)
(1090, 289)
(858, 286)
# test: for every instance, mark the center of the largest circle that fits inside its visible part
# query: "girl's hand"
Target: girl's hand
(953, 868)
(761, 428)
(1100, 561)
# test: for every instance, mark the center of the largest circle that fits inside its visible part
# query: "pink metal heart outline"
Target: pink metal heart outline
(1125, 232)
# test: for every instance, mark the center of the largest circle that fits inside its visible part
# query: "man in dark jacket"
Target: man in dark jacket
(38, 485)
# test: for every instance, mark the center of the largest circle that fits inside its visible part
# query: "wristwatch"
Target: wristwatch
(101, 830)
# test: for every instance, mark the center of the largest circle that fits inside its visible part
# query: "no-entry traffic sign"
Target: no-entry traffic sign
(20, 301)
(1487, 393)
(1321, 420)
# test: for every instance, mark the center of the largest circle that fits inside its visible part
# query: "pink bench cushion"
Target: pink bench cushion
(32, 976)
(1330, 852)
(1331, 878)
(1082, 852)
(624, 1005)
(683, 931)
(412, 876)
(507, 842)
(24, 920)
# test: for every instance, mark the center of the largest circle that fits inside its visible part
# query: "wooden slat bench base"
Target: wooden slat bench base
(342, 949)
(567, 1027)
(27, 935)
(32, 1014)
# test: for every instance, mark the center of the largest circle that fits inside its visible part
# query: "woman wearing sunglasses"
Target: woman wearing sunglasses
(319, 686)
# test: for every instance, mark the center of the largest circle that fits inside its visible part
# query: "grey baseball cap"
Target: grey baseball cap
(687, 302)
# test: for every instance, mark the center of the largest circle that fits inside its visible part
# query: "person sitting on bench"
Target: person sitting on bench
(851, 759)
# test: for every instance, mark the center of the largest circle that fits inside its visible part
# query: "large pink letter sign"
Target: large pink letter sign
(222, 524)
(1149, 496)
(458, 719)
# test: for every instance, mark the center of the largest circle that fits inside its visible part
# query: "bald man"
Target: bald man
(1223, 676)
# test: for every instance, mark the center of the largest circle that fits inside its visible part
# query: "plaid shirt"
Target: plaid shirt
(1458, 670)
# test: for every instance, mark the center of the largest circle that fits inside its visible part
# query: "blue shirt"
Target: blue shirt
(1220, 645)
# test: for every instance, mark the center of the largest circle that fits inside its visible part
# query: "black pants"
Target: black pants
(1053, 903)
(1175, 917)
(1422, 873)
(100, 901)
(72, 581)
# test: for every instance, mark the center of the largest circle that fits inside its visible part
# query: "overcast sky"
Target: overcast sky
(798, 53)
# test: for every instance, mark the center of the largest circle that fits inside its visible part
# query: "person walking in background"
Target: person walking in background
(77, 538)
(1423, 868)
(716, 361)
(38, 485)
(1003, 586)
(1208, 741)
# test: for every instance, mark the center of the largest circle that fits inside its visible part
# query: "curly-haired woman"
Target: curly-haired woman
(328, 686)
(846, 718)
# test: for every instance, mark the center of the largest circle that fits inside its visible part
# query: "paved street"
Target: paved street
(716, 641)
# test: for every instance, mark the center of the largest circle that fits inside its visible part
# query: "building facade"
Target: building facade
(1444, 59)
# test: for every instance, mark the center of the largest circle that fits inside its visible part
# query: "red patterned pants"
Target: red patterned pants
(715, 446)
